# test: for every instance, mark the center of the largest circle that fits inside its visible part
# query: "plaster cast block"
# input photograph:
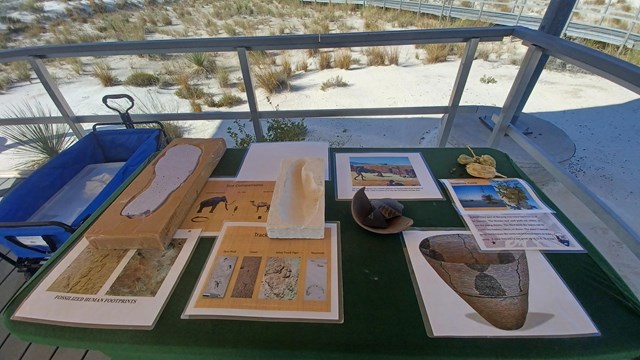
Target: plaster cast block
(297, 206)
(148, 212)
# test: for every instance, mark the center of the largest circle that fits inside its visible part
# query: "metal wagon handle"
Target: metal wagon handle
(124, 116)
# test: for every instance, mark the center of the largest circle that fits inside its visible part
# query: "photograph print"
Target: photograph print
(382, 171)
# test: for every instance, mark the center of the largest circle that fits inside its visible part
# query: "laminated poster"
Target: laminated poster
(385, 175)
(505, 214)
(225, 199)
(109, 288)
(464, 292)
(250, 276)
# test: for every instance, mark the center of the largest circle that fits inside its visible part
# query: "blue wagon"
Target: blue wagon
(41, 213)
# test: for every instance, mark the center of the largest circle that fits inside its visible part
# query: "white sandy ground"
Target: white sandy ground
(599, 116)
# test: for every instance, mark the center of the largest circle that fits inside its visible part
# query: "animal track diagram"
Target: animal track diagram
(280, 279)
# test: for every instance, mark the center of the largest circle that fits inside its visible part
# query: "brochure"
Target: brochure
(467, 293)
(505, 214)
(250, 276)
(225, 199)
(97, 288)
(385, 175)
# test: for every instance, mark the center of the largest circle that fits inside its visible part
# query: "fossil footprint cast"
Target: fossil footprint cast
(171, 171)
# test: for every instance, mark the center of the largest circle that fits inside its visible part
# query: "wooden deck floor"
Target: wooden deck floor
(12, 348)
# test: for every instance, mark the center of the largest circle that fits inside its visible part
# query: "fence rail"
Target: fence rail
(607, 66)
(523, 13)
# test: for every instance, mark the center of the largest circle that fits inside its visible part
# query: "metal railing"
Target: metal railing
(524, 13)
(540, 44)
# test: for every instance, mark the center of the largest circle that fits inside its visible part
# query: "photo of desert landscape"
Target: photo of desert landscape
(382, 171)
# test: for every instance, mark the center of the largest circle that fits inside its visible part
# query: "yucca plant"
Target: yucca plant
(37, 143)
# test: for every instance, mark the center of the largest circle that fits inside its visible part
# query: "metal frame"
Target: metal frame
(541, 45)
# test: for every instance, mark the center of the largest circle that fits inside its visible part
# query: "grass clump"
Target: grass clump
(103, 73)
(324, 60)
(333, 82)
(436, 53)
(191, 92)
(142, 79)
(343, 59)
(271, 80)
(227, 100)
(375, 56)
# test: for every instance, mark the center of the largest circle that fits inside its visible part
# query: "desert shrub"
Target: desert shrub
(488, 79)
(324, 60)
(343, 59)
(21, 71)
(261, 58)
(195, 106)
(227, 100)
(312, 52)
(5, 82)
(191, 92)
(286, 130)
(436, 53)
(122, 29)
(302, 65)
(103, 73)
(76, 65)
(142, 79)
(392, 55)
(286, 65)
(271, 80)
(203, 64)
(223, 76)
(230, 29)
(165, 19)
(240, 137)
(32, 6)
(333, 82)
(375, 56)
(37, 143)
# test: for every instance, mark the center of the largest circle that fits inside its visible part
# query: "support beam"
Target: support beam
(56, 96)
(553, 23)
(251, 94)
(456, 93)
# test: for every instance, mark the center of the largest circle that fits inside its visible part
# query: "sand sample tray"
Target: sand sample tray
(151, 208)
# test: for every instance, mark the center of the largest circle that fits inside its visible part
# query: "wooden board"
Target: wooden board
(124, 226)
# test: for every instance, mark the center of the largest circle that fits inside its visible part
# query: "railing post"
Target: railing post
(450, 6)
(442, 9)
(524, 3)
(251, 94)
(56, 96)
(458, 89)
(633, 24)
(419, 7)
(481, 8)
(566, 26)
(553, 22)
(604, 13)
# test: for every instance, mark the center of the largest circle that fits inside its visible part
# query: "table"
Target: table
(381, 313)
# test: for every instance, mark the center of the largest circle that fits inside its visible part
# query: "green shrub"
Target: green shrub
(488, 80)
(286, 130)
(142, 79)
(241, 137)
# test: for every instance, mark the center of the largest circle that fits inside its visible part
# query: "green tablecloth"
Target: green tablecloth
(381, 314)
